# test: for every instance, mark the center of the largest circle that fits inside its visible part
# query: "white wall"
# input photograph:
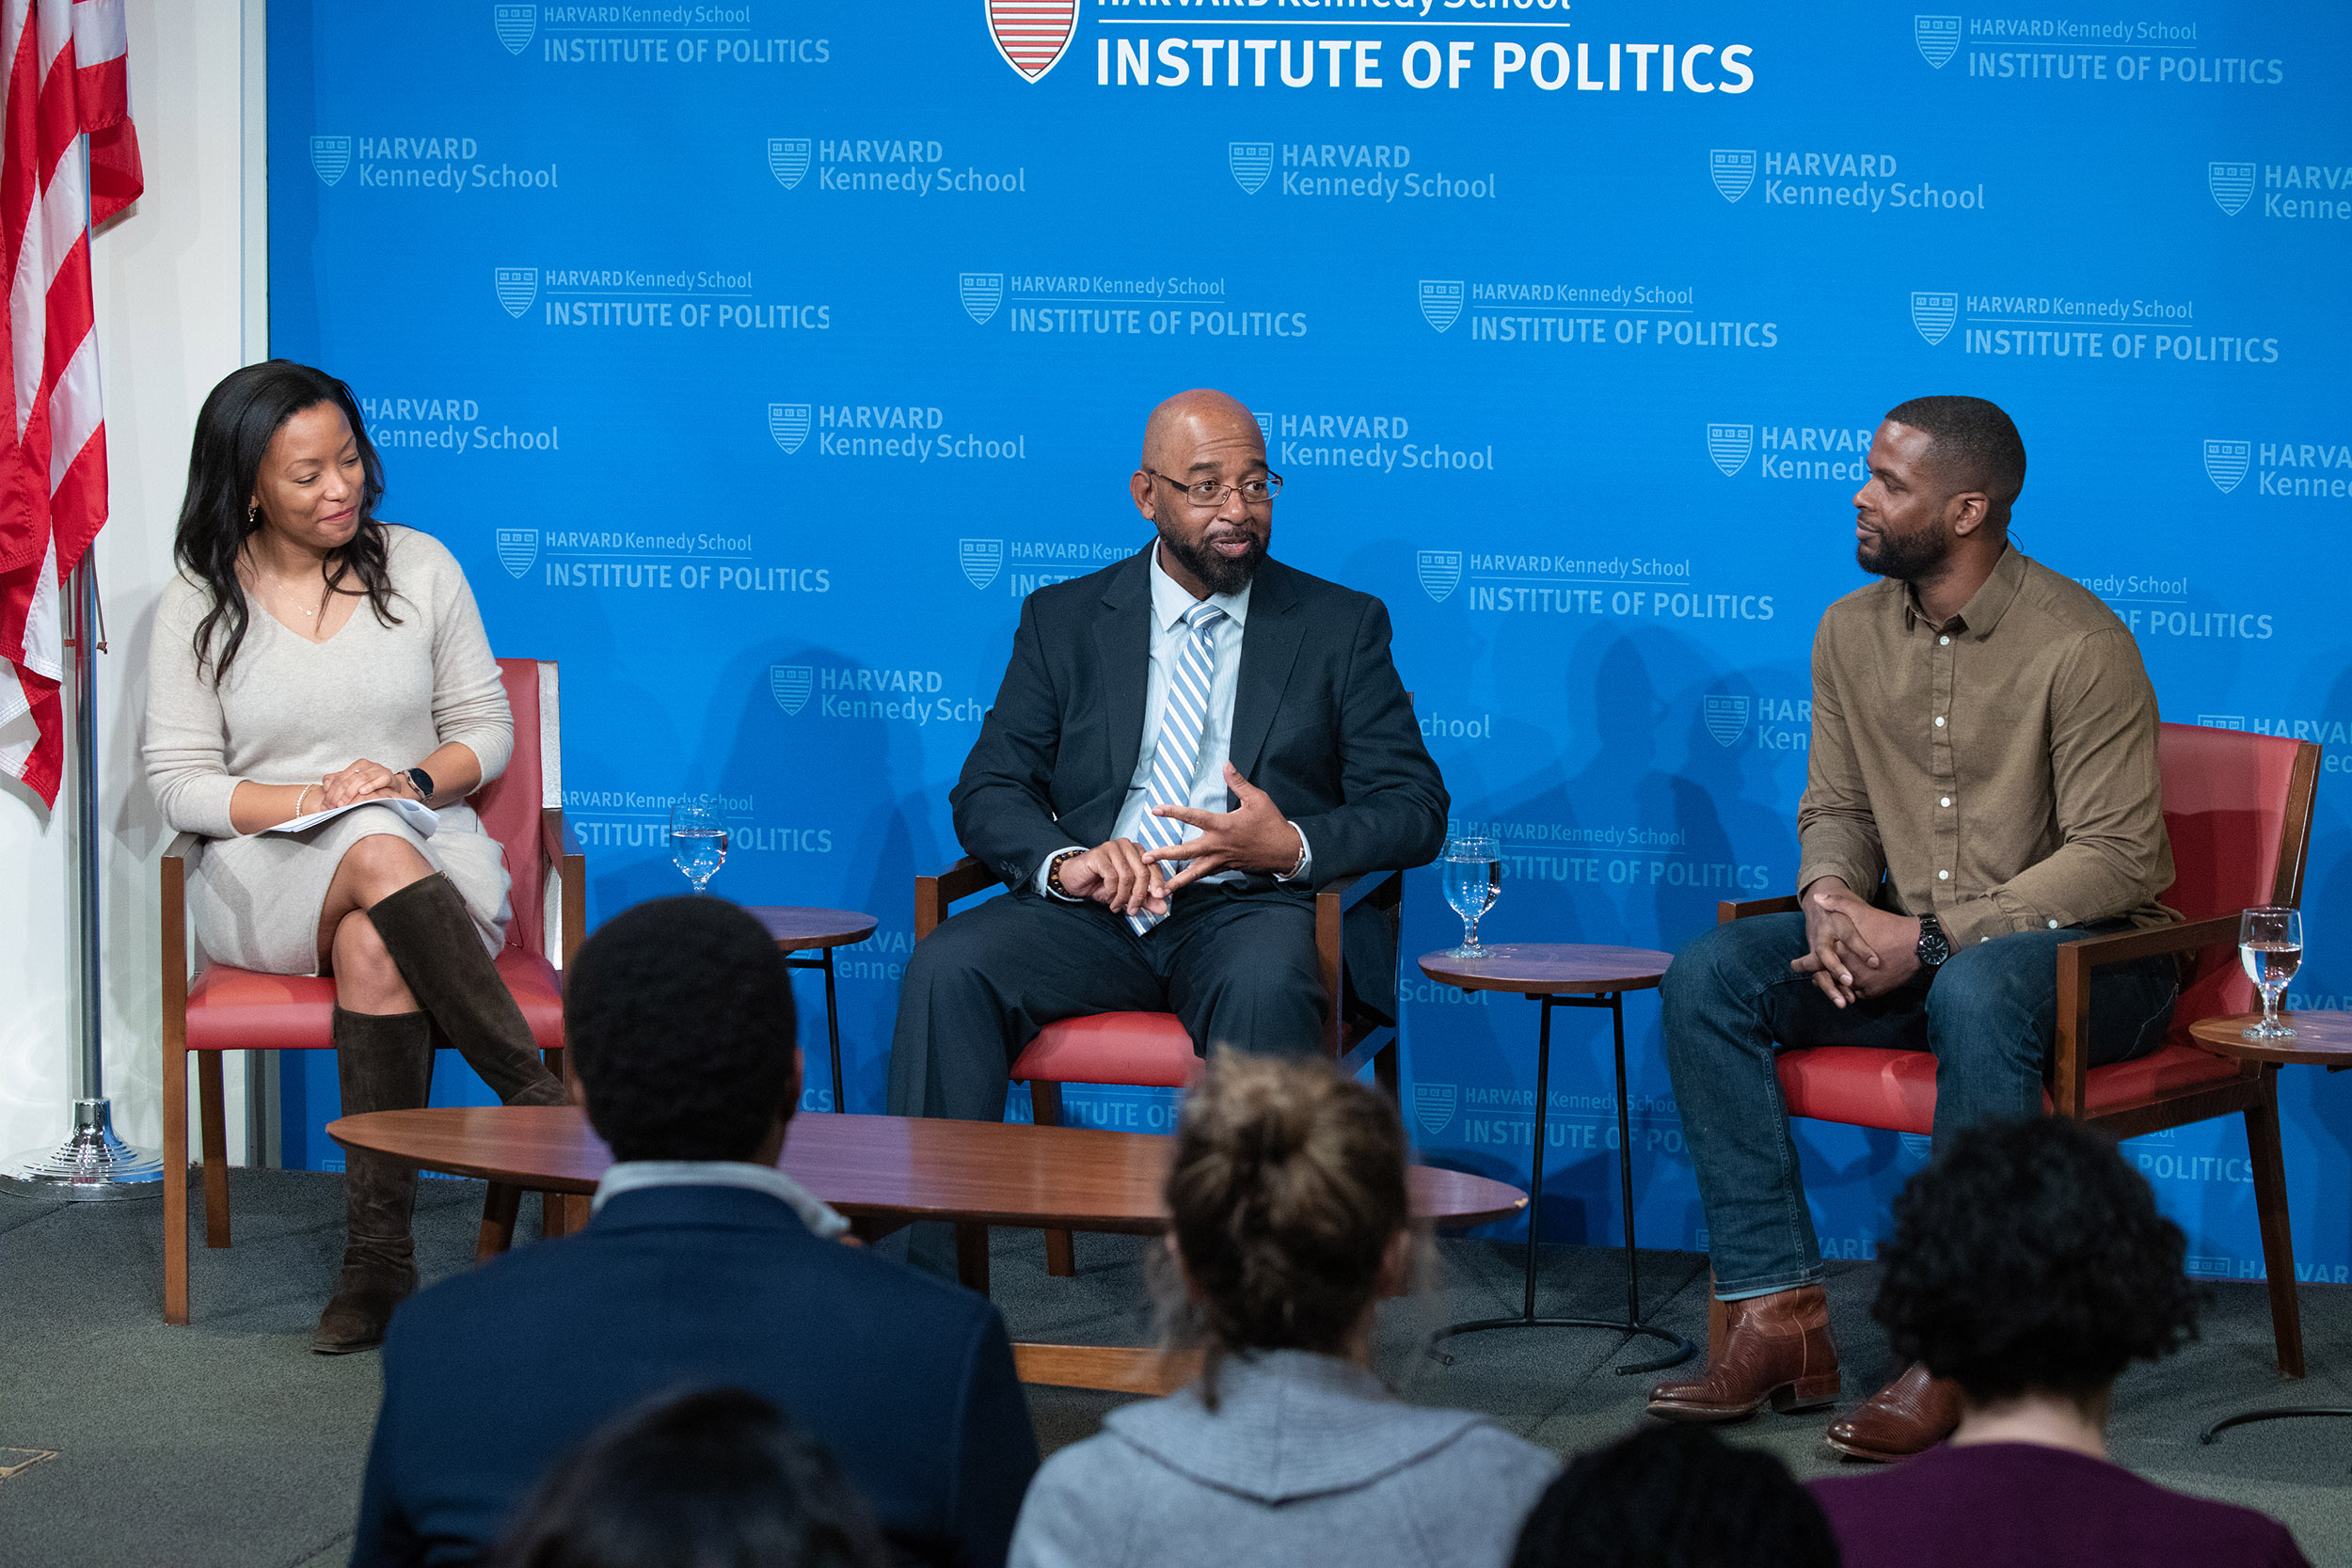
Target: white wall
(171, 299)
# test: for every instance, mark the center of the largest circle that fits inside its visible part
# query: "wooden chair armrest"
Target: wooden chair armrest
(2070, 1055)
(561, 844)
(183, 846)
(556, 839)
(933, 895)
(1332, 902)
(1730, 910)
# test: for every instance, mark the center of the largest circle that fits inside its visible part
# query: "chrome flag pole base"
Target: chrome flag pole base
(91, 1167)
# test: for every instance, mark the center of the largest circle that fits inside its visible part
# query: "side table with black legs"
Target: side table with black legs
(1566, 975)
(797, 929)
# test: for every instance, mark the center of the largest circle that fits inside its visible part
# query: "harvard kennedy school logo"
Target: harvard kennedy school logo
(981, 293)
(331, 155)
(1726, 718)
(790, 685)
(787, 158)
(519, 547)
(1938, 38)
(514, 25)
(981, 559)
(2225, 463)
(1251, 162)
(1433, 1106)
(1730, 445)
(1440, 574)
(1934, 311)
(2233, 184)
(1440, 302)
(1031, 35)
(517, 287)
(788, 423)
(1734, 169)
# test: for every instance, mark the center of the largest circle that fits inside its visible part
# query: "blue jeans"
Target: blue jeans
(1988, 1013)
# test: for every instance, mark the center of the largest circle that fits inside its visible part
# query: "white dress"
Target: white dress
(293, 711)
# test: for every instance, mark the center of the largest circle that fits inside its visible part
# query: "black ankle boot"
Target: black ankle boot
(384, 1063)
(432, 938)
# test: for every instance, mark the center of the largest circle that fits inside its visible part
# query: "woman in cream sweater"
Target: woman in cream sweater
(309, 656)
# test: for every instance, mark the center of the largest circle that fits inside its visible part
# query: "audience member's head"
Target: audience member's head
(709, 1480)
(2029, 1259)
(1288, 1204)
(1675, 1497)
(678, 1016)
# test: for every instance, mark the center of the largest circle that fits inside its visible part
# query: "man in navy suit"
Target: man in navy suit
(1185, 746)
(705, 1265)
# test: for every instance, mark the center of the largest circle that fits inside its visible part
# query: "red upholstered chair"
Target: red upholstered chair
(2238, 810)
(227, 1009)
(1151, 1049)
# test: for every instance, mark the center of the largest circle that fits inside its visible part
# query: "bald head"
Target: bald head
(1189, 420)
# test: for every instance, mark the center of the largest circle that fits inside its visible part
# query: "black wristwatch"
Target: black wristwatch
(1935, 946)
(424, 783)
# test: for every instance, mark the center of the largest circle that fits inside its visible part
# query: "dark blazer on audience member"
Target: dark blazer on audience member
(1321, 723)
(492, 1374)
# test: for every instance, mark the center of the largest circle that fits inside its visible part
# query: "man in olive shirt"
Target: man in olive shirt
(1982, 787)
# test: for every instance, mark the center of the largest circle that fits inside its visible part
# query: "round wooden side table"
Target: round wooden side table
(796, 928)
(2321, 1040)
(1569, 974)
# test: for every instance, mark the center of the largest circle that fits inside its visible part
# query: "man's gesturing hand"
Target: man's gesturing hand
(1116, 875)
(1256, 836)
(1854, 949)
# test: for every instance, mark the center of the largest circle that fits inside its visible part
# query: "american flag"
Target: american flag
(67, 79)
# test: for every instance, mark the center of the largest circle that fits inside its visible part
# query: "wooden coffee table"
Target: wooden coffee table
(884, 1172)
(2321, 1040)
(1569, 974)
(797, 929)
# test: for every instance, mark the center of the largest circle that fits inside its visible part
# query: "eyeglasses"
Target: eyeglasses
(1212, 493)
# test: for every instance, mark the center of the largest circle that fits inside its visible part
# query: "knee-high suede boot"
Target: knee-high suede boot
(433, 940)
(383, 1062)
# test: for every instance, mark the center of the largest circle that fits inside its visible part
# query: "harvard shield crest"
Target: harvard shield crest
(1938, 38)
(517, 287)
(1734, 169)
(1730, 445)
(2231, 185)
(519, 547)
(329, 157)
(1934, 311)
(2225, 463)
(790, 685)
(981, 559)
(1726, 718)
(1433, 1106)
(788, 423)
(1440, 301)
(1251, 162)
(514, 25)
(981, 293)
(1441, 573)
(787, 158)
(1031, 35)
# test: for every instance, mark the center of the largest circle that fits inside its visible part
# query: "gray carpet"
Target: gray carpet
(229, 1443)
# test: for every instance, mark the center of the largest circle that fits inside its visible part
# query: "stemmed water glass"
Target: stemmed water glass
(2270, 945)
(1474, 880)
(698, 842)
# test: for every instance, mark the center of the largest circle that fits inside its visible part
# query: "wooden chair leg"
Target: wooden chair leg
(2271, 1204)
(1061, 1252)
(212, 1117)
(971, 1256)
(175, 1179)
(563, 1214)
(497, 1221)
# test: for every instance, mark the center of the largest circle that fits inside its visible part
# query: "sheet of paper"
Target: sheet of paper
(415, 813)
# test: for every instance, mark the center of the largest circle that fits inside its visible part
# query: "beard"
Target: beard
(1215, 572)
(1905, 556)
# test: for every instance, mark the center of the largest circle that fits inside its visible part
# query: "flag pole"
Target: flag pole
(92, 1166)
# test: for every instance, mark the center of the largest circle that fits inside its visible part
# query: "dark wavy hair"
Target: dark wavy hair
(1675, 1497)
(716, 1476)
(2030, 1257)
(679, 1017)
(233, 431)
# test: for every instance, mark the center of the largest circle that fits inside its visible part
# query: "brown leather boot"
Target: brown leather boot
(430, 935)
(1775, 1347)
(384, 1063)
(1909, 1416)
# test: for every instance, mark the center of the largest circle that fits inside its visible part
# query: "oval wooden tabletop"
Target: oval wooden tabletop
(795, 927)
(2321, 1038)
(1550, 968)
(994, 1173)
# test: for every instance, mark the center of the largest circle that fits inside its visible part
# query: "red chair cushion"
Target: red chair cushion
(1146, 1049)
(1896, 1089)
(239, 1009)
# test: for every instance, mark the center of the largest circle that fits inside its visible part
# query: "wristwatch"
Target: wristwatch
(422, 782)
(1935, 946)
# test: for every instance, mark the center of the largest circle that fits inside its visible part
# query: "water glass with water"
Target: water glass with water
(1474, 880)
(698, 842)
(2270, 945)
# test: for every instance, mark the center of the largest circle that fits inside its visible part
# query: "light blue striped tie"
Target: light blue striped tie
(1178, 754)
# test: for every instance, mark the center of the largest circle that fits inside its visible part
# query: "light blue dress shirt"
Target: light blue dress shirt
(631, 1176)
(1209, 790)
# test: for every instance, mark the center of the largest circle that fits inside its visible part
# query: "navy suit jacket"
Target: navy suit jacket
(488, 1377)
(1321, 723)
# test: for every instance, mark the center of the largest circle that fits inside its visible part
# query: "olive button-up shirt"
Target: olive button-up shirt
(1999, 769)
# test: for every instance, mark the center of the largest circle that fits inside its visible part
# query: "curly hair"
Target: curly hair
(678, 1014)
(2030, 1257)
(1287, 1188)
(1675, 1497)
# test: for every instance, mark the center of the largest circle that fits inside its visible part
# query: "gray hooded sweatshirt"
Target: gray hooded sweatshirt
(1308, 1459)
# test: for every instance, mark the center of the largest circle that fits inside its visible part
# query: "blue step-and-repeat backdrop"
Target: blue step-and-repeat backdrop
(756, 358)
